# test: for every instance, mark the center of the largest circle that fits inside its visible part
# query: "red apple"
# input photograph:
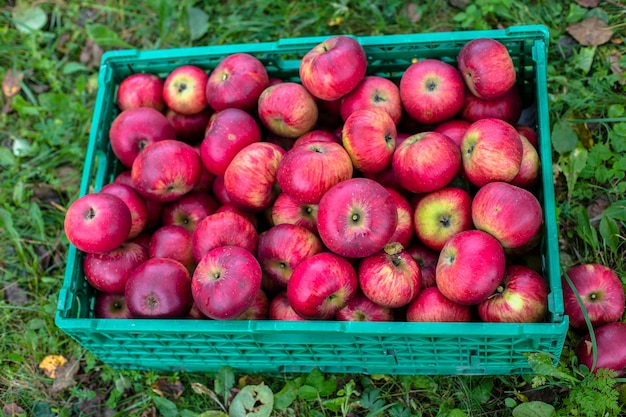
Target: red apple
(404, 229)
(283, 247)
(223, 229)
(166, 170)
(250, 179)
(252, 217)
(507, 108)
(159, 288)
(236, 82)
(511, 214)
(280, 309)
(110, 306)
(373, 91)
(141, 90)
(287, 209)
(530, 168)
(369, 137)
(189, 128)
(189, 210)
(258, 310)
(306, 172)
(333, 67)
(492, 151)
(184, 89)
(521, 297)
(321, 285)
(470, 267)
(454, 129)
(426, 162)
(441, 214)
(134, 129)
(431, 306)
(486, 67)
(610, 349)
(426, 259)
(601, 291)
(356, 218)
(226, 282)
(195, 314)
(142, 239)
(287, 109)
(228, 132)
(390, 278)
(219, 191)
(173, 242)
(108, 272)
(529, 133)
(317, 135)
(431, 91)
(136, 204)
(97, 222)
(361, 308)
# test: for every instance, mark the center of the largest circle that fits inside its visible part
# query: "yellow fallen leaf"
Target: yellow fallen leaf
(50, 363)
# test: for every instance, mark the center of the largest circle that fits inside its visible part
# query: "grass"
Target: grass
(49, 83)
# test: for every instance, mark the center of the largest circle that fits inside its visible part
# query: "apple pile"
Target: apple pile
(341, 196)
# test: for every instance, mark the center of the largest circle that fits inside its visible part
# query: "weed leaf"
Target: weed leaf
(224, 381)
(212, 413)
(252, 401)
(563, 137)
(106, 37)
(28, 19)
(166, 407)
(286, 396)
(534, 409)
(198, 22)
(541, 364)
(308, 393)
(584, 228)
(609, 230)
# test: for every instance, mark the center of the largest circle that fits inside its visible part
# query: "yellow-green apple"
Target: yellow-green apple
(166, 170)
(134, 129)
(184, 89)
(507, 108)
(441, 214)
(601, 291)
(173, 242)
(361, 308)
(236, 82)
(258, 310)
(287, 109)
(189, 128)
(188, 210)
(426, 162)
(492, 151)
(529, 133)
(530, 168)
(321, 285)
(470, 267)
(226, 282)
(141, 90)
(136, 204)
(511, 214)
(369, 137)
(487, 68)
(280, 309)
(426, 259)
(227, 132)
(108, 272)
(431, 91)
(334, 67)
(521, 297)
(159, 288)
(307, 171)
(390, 277)
(609, 351)
(283, 247)
(317, 135)
(356, 218)
(373, 91)
(404, 229)
(431, 306)
(454, 129)
(287, 209)
(250, 178)
(110, 306)
(97, 222)
(223, 229)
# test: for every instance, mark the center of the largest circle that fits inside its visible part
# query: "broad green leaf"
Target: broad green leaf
(541, 364)
(615, 110)
(328, 387)
(509, 402)
(599, 13)
(286, 396)
(224, 380)
(315, 379)
(457, 413)
(620, 129)
(334, 404)
(166, 407)
(575, 13)
(198, 22)
(563, 137)
(584, 228)
(73, 67)
(534, 409)
(617, 210)
(609, 230)
(213, 414)
(6, 157)
(106, 37)
(308, 393)
(189, 413)
(28, 19)
(252, 401)
(23, 107)
(584, 58)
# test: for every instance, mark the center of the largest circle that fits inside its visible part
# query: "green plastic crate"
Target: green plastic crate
(341, 347)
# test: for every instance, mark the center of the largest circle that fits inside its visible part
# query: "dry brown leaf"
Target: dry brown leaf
(590, 32)
(11, 83)
(65, 376)
(51, 363)
(598, 206)
(588, 3)
(15, 295)
(91, 54)
(12, 409)
(413, 13)
(167, 389)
